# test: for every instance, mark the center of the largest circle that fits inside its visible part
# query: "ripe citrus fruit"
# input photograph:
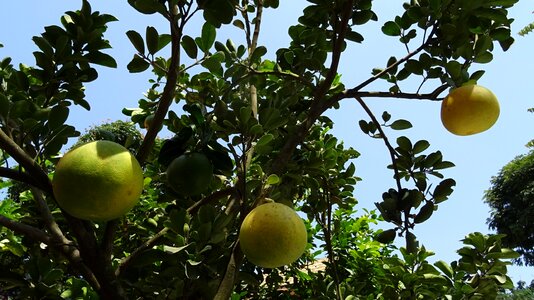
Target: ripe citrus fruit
(469, 109)
(273, 235)
(190, 174)
(98, 181)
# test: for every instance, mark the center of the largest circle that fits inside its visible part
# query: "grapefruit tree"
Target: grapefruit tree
(256, 121)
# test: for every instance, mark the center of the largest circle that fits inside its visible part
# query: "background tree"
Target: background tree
(262, 125)
(521, 291)
(510, 198)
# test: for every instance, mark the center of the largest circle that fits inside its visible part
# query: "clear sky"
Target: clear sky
(477, 157)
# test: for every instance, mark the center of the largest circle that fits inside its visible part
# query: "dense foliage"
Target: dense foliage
(261, 123)
(510, 198)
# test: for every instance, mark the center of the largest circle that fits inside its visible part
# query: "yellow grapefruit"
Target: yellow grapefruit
(469, 109)
(273, 235)
(98, 181)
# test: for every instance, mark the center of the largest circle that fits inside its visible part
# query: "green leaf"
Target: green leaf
(432, 159)
(273, 179)
(206, 214)
(239, 24)
(420, 146)
(362, 17)
(505, 253)
(245, 113)
(152, 40)
(364, 126)
(208, 36)
(401, 124)
(404, 143)
(44, 45)
(445, 268)
(218, 12)
(271, 3)
(260, 51)
(163, 40)
(386, 236)
(190, 47)
(57, 117)
(213, 64)
(137, 64)
(256, 130)
(414, 66)
(484, 58)
(58, 138)
(102, 59)
(386, 116)
(424, 213)
(354, 36)
(147, 6)
(477, 240)
(411, 242)
(391, 28)
(264, 140)
(477, 75)
(137, 41)
(443, 190)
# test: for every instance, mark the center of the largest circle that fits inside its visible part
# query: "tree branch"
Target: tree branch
(318, 107)
(432, 96)
(232, 270)
(167, 96)
(57, 240)
(341, 27)
(33, 233)
(213, 197)
(125, 262)
(34, 170)
(351, 93)
(397, 63)
(391, 150)
(106, 245)
(19, 175)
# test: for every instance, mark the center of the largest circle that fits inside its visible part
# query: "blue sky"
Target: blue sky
(477, 157)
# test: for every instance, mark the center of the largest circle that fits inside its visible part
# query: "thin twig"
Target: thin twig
(213, 197)
(432, 96)
(392, 151)
(350, 93)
